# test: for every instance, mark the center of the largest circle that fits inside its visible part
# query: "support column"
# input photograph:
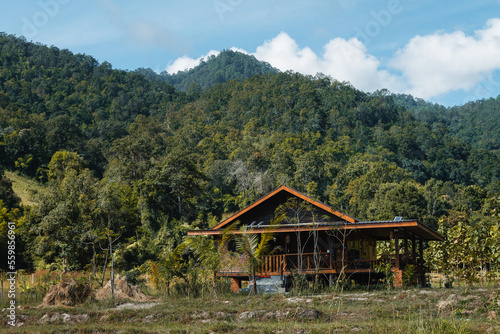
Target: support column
(414, 249)
(398, 278)
(421, 250)
(406, 245)
(331, 280)
(235, 285)
(423, 280)
(396, 248)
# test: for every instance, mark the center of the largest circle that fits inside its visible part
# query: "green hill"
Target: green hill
(476, 122)
(226, 66)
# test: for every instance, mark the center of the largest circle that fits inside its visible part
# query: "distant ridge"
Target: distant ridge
(476, 122)
(226, 66)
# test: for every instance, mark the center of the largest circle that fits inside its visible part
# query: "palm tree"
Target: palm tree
(249, 244)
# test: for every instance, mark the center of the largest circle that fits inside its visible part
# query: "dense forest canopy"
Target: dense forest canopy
(126, 156)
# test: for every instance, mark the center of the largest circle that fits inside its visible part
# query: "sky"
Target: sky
(446, 52)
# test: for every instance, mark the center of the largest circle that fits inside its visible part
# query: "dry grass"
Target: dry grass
(457, 310)
(24, 187)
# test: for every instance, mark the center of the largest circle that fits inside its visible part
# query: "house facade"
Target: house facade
(314, 240)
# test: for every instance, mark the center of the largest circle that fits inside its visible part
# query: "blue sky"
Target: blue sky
(446, 52)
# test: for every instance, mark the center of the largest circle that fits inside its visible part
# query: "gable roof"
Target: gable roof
(283, 190)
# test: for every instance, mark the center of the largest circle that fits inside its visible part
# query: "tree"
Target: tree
(205, 252)
(7, 194)
(65, 211)
(8, 215)
(294, 211)
(404, 199)
(253, 246)
(170, 190)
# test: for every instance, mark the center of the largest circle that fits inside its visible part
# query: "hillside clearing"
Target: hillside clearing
(24, 187)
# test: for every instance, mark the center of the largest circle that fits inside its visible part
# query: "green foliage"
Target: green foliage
(385, 268)
(125, 153)
(7, 194)
(475, 122)
(254, 246)
(470, 248)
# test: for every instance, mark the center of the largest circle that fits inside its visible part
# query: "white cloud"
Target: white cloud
(185, 63)
(444, 62)
(283, 53)
(344, 60)
(427, 66)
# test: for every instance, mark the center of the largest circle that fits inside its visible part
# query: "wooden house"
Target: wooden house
(315, 240)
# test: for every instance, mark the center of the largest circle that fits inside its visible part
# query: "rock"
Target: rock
(148, 319)
(201, 315)
(222, 315)
(276, 315)
(104, 318)
(309, 314)
(251, 315)
(49, 318)
(247, 315)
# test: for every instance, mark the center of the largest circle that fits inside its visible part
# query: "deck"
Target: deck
(310, 263)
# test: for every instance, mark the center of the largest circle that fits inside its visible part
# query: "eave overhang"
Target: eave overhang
(381, 230)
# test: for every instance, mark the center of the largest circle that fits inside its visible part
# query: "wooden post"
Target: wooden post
(421, 249)
(413, 249)
(406, 245)
(423, 281)
(396, 248)
(112, 279)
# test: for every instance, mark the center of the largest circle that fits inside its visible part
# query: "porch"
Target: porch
(310, 263)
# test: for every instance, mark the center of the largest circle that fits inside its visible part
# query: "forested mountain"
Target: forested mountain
(477, 122)
(125, 154)
(226, 66)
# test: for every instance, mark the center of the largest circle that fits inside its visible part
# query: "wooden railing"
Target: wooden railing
(272, 263)
(310, 262)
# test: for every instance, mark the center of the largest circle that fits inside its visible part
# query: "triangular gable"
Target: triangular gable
(269, 197)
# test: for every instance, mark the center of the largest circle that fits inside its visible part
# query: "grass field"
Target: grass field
(456, 310)
(24, 187)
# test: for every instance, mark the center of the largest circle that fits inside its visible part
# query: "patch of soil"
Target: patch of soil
(122, 290)
(131, 306)
(67, 293)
